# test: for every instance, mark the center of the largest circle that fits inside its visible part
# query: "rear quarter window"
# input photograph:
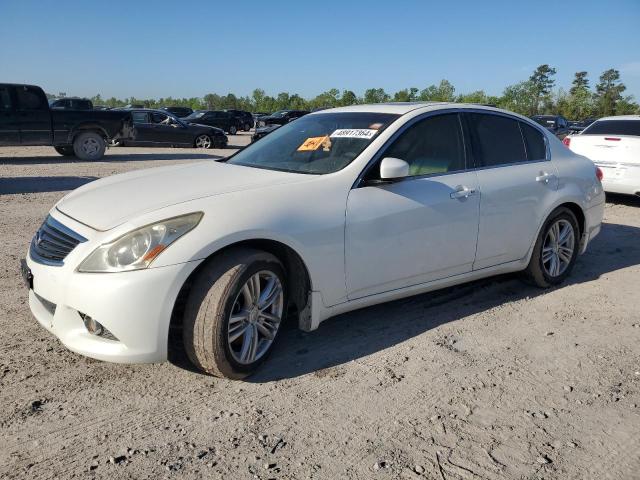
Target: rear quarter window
(534, 141)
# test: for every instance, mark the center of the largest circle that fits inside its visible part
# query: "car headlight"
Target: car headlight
(137, 249)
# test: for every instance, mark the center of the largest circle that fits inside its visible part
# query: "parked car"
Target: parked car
(180, 112)
(576, 126)
(281, 117)
(157, 128)
(71, 104)
(336, 211)
(556, 124)
(245, 118)
(263, 131)
(613, 144)
(215, 118)
(26, 119)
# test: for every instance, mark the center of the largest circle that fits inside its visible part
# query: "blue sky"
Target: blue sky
(190, 48)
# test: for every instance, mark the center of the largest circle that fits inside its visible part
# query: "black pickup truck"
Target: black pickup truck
(26, 119)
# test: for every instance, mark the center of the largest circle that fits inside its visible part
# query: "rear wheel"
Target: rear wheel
(89, 146)
(233, 130)
(233, 313)
(246, 127)
(65, 150)
(555, 250)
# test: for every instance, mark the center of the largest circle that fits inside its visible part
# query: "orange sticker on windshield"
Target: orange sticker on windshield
(314, 143)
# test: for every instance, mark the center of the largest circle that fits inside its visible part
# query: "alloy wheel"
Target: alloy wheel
(203, 141)
(255, 317)
(558, 248)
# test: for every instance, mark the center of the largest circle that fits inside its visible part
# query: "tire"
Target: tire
(66, 150)
(551, 264)
(246, 127)
(203, 141)
(89, 146)
(218, 291)
(233, 130)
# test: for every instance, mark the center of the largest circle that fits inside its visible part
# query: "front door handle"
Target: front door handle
(545, 177)
(462, 191)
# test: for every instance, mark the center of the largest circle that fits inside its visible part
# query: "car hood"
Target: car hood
(109, 202)
(204, 127)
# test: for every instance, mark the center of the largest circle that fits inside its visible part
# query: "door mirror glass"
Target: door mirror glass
(393, 168)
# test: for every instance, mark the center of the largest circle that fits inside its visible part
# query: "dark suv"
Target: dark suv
(246, 119)
(215, 118)
(556, 124)
(180, 112)
(71, 104)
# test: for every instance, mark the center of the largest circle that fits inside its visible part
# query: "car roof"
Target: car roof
(620, 117)
(402, 108)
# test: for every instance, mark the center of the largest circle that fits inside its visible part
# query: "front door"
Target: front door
(421, 228)
(33, 116)
(9, 132)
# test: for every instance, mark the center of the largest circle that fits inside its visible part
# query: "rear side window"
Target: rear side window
(30, 98)
(534, 141)
(614, 127)
(139, 117)
(433, 145)
(496, 140)
(5, 98)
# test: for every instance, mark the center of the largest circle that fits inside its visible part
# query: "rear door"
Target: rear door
(33, 116)
(517, 182)
(9, 132)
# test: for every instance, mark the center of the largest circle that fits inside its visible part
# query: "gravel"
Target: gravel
(432, 386)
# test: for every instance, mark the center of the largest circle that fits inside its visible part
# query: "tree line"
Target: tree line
(536, 95)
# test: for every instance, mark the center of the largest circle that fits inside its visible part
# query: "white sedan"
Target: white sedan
(613, 143)
(335, 211)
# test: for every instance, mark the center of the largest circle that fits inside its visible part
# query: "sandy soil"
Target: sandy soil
(488, 381)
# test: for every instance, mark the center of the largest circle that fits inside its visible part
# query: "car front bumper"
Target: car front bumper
(135, 307)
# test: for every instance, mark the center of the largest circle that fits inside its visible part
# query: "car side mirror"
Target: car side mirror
(393, 168)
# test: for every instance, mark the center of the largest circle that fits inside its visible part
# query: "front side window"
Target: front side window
(159, 118)
(30, 98)
(534, 141)
(431, 146)
(614, 127)
(316, 144)
(496, 140)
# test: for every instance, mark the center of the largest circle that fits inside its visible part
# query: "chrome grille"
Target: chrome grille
(53, 242)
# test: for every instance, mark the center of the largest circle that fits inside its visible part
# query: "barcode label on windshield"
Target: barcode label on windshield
(354, 133)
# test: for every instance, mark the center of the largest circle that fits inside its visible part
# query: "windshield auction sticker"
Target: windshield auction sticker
(314, 143)
(365, 133)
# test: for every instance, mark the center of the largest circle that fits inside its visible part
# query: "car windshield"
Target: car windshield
(316, 144)
(614, 127)
(194, 115)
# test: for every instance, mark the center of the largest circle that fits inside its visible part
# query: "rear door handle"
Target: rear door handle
(462, 192)
(545, 177)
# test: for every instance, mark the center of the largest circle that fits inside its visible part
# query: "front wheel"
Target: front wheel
(233, 130)
(556, 249)
(66, 150)
(233, 312)
(203, 141)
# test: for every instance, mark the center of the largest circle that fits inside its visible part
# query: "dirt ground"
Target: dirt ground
(492, 380)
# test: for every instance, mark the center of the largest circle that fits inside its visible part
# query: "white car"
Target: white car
(338, 210)
(613, 143)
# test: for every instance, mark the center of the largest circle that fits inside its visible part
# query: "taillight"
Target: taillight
(599, 173)
(566, 141)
